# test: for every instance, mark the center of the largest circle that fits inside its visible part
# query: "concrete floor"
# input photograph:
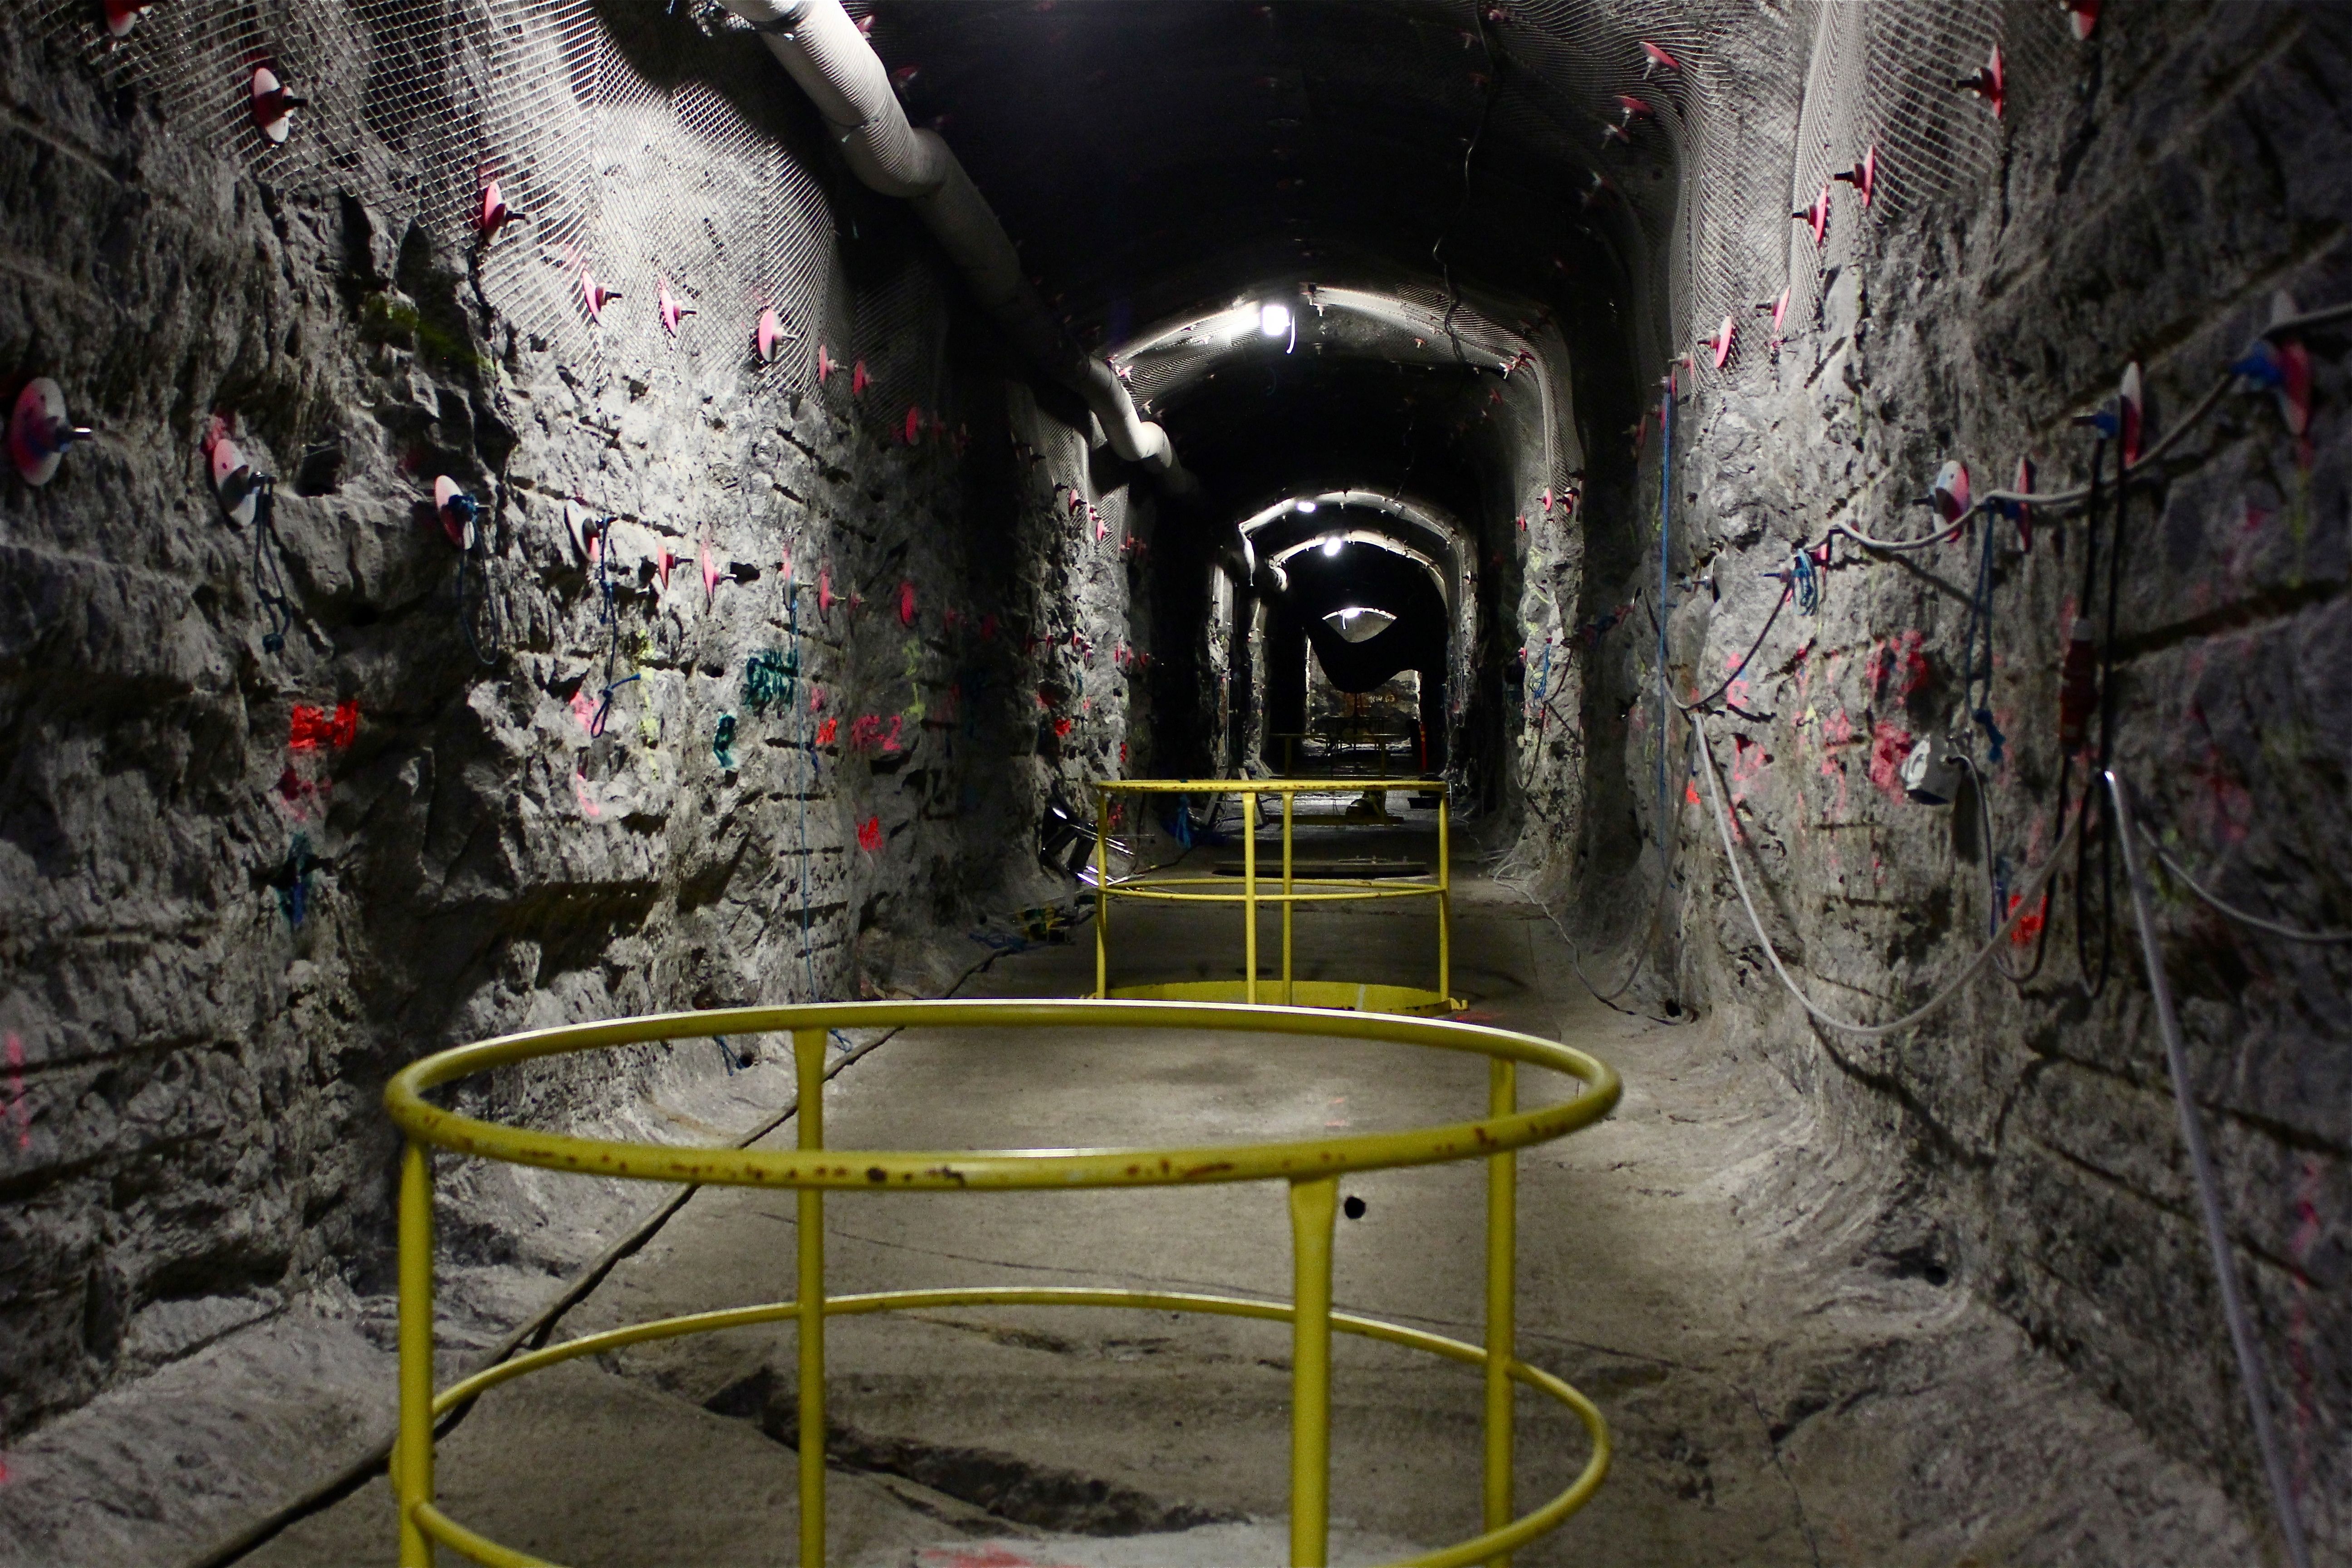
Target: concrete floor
(1702, 1265)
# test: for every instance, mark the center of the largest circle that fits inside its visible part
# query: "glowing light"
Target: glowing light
(1304, 505)
(1359, 623)
(1332, 546)
(1273, 321)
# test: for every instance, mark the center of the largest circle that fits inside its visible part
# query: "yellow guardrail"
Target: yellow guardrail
(1296, 890)
(1312, 1168)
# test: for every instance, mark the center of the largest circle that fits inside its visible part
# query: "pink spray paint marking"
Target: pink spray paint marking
(585, 710)
(905, 603)
(20, 1109)
(1749, 761)
(1889, 745)
(824, 592)
(588, 806)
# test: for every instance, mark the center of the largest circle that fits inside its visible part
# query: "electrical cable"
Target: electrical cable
(1664, 615)
(1745, 658)
(269, 575)
(2243, 916)
(2244, 1344)
(1968, 972)
(2098, 834)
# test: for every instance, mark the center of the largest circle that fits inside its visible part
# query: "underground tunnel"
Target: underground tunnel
(1099, 784)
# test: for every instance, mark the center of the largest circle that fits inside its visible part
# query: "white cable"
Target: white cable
(2243, 1341)
(2026, 904)
(2290, 932)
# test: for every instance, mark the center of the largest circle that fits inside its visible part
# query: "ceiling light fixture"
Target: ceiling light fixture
(1359, 623)
(1273, 321)
(1332, 546)
(1307, 506)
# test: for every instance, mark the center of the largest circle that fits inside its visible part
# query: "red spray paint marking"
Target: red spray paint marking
(869, 834)
(1903, 654)
(826, 731)
(1061, 728)
(312, 728)
(1889, 746)
(867, 737)
(824, 592)
(914, 424)
(20, 1109)
(905, 603)
(2023, 933)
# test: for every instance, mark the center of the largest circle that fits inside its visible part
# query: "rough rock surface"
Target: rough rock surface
(2187, 164)
(249, 884)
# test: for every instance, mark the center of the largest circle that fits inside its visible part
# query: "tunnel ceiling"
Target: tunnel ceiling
(1154, 155)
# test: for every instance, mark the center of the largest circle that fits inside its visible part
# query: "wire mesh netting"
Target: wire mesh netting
(1701, 125)
(421, 107)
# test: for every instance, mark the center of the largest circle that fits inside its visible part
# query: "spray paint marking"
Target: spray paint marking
(869, 836)
(1889, 746)
(588, 806)
(309, 729)
(20, 1109)
(1749, 761)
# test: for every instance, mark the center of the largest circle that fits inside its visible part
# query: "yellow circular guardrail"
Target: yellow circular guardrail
(1295, 889)
(1312, 1168)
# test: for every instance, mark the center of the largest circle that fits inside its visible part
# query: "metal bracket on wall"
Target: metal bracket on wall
(235, 482)
(39, 431)
(273, 106)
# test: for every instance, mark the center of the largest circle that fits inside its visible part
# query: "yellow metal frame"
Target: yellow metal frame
(1345, 995)
(1311, 1167)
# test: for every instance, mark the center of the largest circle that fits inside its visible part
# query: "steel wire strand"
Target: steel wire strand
(1984, 954)
(2242, 916)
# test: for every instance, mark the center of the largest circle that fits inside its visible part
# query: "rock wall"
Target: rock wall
(2186, 164)
(751, 685)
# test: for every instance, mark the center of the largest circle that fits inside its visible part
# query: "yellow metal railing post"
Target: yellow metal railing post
(1445, 902)
(1102, 892)
(1249, 894)
(1313, 1206)
(808, 1056)
(1290, 798)
(412, 1453)
(1502, 1266)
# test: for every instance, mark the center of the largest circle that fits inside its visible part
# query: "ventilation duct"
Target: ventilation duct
(823, 51)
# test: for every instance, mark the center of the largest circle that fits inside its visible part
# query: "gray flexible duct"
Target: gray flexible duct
(823, 51)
